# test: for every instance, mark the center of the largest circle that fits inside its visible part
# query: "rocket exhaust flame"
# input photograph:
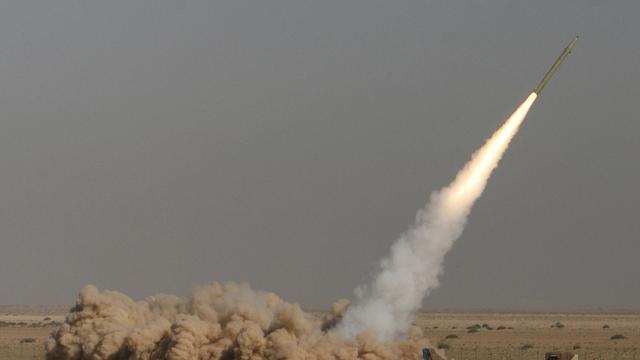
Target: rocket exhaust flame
(388, 305)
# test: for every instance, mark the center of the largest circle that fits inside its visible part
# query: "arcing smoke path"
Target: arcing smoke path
(387, 307)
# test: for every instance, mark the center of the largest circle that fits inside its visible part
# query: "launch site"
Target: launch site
(306, 180)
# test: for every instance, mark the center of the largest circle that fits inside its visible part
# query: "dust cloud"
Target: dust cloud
(219, 321)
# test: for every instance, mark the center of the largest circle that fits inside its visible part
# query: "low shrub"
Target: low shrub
(618, 337)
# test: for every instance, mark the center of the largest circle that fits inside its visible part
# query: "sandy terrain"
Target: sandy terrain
(585, 332)
(24, 329)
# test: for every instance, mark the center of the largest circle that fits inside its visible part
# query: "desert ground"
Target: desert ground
(24, 330)
(501, 335)
(462, 335)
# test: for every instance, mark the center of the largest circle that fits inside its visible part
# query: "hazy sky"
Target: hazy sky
(150, 146)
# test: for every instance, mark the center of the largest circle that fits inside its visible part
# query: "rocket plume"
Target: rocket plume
(387, 306)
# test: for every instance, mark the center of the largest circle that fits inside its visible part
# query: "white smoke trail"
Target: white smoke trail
(387, 307)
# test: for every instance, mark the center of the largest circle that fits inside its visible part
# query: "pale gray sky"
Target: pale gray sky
(149, 146)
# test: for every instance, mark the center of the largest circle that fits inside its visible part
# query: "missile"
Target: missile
(555, 66)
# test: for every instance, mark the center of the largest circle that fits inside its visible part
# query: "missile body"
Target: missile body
(555, 66)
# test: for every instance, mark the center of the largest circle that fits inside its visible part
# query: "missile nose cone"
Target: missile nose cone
(573, 42)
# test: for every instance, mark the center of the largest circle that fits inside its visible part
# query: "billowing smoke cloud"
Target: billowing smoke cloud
(388, 305)
(232, 321)
(229, 321)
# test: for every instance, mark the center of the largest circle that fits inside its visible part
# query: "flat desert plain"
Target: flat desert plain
(461, 335)
(502, 335)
